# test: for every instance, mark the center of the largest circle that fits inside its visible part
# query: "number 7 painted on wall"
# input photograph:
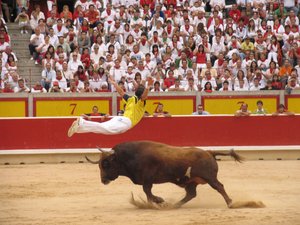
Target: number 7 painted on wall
(74, 107)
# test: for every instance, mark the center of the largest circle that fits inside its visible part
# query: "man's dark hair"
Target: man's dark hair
(139, 91)
(259, 102)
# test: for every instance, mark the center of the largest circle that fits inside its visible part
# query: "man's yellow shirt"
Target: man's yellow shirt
(135, 109)
(246, 47)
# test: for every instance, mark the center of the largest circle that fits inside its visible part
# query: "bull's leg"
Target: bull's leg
(217, 185)
(151, 198)
(190, 193)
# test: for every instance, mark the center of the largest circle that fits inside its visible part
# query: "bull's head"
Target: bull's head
(108, 165)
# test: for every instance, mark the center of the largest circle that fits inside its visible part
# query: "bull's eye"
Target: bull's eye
(105, 164)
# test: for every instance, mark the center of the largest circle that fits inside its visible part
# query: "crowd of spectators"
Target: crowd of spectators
(183, 45)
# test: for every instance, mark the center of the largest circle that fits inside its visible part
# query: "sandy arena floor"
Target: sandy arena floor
(73, 194)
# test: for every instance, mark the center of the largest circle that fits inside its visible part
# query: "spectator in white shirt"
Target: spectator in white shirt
(35, 40)
(21, 88)
(74, 63)
(48, 75)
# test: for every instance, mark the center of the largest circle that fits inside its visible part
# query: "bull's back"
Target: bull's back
(149, 149)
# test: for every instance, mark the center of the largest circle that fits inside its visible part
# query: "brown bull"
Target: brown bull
(147, 163)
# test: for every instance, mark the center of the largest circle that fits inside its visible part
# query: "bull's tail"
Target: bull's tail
(231, 153)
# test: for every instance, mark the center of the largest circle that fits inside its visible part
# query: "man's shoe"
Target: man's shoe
(74, 127)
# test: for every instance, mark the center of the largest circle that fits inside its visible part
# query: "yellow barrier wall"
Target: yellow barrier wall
(293, 103)
(229, 105)
(13, 107)
(70, 107)
(175, 105)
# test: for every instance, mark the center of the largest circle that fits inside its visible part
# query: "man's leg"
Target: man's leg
(116, 125)
(6, 11)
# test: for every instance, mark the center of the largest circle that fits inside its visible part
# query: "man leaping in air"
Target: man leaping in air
(134, 112)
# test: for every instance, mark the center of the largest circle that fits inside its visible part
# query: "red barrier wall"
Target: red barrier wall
(51, 133)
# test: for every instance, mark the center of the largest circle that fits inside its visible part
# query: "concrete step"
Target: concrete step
(22, 52)
(34, 68)
(17, 36)
(25, 62)
(19, 45)
(12, 26)
(24, 57)
(18, 48)
(35, 71)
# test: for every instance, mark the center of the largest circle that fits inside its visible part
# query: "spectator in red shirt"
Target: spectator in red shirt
(235, 13)
(7, 88)
(93, 16)
(53, 11)
(5, 34)
(85, 58)
(200, 56)
(95, 112)
(151, 3)
(170, 80)
(159, 111)
(170, 2)
(66, 14)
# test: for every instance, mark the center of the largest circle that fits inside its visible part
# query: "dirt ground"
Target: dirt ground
(73, 194)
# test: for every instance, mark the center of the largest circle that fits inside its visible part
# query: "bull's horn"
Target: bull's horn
(111, 151)
(93, 162)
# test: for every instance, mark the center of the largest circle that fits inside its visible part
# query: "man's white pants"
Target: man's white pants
(117, 125)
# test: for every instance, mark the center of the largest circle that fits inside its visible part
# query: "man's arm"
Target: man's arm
(117, 87)
(146, 91)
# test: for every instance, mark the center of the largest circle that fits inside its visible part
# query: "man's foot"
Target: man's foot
(74, 127)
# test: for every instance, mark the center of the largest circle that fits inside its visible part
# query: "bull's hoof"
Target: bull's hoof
(157, 200)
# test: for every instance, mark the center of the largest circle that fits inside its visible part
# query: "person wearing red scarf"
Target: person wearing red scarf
(73, 86)
(169, 28)
(170, 80)
(38, 88)
(219, 62)
(208, 87)
(81, 74)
